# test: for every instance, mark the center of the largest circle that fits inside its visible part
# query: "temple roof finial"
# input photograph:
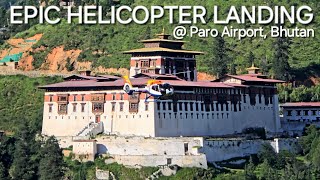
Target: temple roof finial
(253, 69)
(163, 35)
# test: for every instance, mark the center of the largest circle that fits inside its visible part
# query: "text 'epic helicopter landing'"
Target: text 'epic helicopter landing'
(154, 88)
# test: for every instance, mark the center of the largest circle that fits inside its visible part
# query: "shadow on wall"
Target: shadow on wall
(101, 149)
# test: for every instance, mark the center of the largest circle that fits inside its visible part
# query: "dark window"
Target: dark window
(314, 112)
(63, 98)
(75, 97)
(197, 106)
(298, 112)
(50, 98)
(82, 107)
(163, 106)
(113, 106)
(186, 106)
(146, 106)
(244, 99)
(169, 106)
(180, 106)
(207, 106)
(75, 107)
(97, 107)
(175, 109)
(289, 113)
(121, 96)
(113, 96)
(186, 149)
(62, 108)
(306, 112)
(145, 63)
(82, 97)
(155, 88)
(158, 106)
(50, 108)
(169, 161)
(191, 106)
(259, 98)
(121, 106)
(97, 97)
(133, 107)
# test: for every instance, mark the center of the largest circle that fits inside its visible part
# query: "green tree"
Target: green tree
(280, 64)
(147, 34)
(6, 155)
(2, 171)
(218, 63)
(69, 65)
(24, 164)
(267, 172)
(249, 171)
(307, 140)
(251, 58)
(51, 164)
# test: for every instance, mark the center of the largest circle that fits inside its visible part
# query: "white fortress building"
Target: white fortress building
(225, 106)
(85, 105)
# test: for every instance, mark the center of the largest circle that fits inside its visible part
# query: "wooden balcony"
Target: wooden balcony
(98, 97)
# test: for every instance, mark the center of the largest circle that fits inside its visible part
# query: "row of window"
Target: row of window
(105, 117)
(64, 98)
(194, 106)
(305, 112)
(97, 107)
(193, 115)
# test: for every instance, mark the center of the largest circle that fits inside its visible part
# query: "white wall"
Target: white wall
(157, 160)
(220, 150)
(153, 151)
(125, 123)
(213, 124)
(146, 146)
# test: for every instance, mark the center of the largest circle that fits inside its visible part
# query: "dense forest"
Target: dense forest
(282, 58)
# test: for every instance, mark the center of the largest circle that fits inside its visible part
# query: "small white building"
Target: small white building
(297, 115)
(301, 112)
(85, 149)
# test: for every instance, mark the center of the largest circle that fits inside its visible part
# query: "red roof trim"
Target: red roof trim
(301, 104)
(139, 82)
(252, 78)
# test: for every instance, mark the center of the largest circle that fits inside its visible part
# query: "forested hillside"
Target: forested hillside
(22, 101)
(282, 58)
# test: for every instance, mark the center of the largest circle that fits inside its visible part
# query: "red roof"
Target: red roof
(96, 78)
(301, 104)
(157, 76)
(139, 82)
(254, 78)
